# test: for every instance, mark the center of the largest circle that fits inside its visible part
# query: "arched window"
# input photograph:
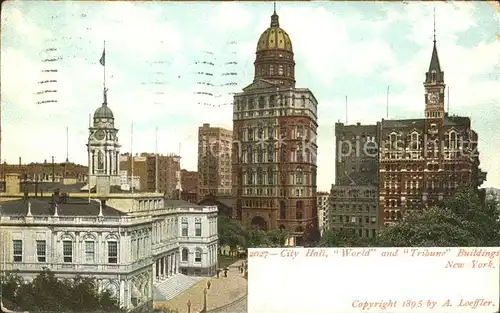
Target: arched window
(197, 255)
(270, 132)
(259, 176)
(270, 153)
(299, 176)
(433, 76)
(184, 255)
(280, 69)
(250, 133)
(249, 178)
(249, 153)
(299, 208)
(284, 155)
(282, 210)
(300, 154)
(414, 141)
(100, 160)
(250, 104)
(260, 132)
(260, 155)
(270, 176)
(453, 140)
(271, 69)
(262, 103)
(272, 101)
(393, 143)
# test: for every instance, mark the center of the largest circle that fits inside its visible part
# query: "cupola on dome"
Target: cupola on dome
(103, 112)
(274, 38)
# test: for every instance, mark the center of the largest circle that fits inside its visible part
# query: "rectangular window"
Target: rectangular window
(17, 246)
(197, 256)
(67, 251)
(197, 229)
(184, 227)
(112, 252)
(41, 250)
(89, 252)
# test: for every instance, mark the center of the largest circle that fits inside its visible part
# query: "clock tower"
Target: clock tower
(103, 147)
(434, 86)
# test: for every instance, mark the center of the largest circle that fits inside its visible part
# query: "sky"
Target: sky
(155, 52)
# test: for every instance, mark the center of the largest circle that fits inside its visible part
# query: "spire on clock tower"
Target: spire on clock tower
(434, 84)
(434, 75)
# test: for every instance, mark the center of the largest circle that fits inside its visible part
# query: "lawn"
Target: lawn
(225, 261)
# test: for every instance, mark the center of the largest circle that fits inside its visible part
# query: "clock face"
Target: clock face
(99, 135)
(433, 97)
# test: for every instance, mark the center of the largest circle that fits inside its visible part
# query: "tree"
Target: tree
(312, 235)
(231, 233)
(346, 237)
(463, 220)
(49, 293)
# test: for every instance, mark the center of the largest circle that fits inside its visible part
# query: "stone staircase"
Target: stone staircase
(173, 286)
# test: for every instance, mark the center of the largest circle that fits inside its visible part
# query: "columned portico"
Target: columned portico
(166, 266)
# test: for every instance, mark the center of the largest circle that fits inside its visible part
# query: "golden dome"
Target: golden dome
(274, 37)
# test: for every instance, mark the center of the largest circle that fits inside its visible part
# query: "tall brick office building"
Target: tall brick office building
(425, 160)
(274, 134)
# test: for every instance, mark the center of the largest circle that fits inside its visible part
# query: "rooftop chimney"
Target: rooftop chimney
(12, 184)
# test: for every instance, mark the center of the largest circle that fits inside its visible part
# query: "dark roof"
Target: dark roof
(434, 66)
(50, 186)
(43, 206)
(409, 123)
(103, 112)
(449, 120)
(180, 204)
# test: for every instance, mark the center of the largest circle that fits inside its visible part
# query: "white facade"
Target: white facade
(323, 210)
(126, 253)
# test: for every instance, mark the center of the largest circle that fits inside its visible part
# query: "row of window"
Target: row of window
(67, 251)
(249, 103)
(296, 155)
(185, 228)
(269, 132)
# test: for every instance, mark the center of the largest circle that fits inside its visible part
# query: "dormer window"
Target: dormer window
(433, 76)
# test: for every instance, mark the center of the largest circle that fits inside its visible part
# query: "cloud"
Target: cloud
(340, 49)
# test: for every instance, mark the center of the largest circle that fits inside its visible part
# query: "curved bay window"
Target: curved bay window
(282, 210)
(299, 208)
(299, 176)
(300, 154)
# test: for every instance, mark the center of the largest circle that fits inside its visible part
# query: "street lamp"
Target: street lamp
(204, 301)
(189, 306)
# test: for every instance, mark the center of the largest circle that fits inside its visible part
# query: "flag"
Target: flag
(103, 58)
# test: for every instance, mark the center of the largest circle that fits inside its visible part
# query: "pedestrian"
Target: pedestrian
(218, 272)
(209, 284)
(225, 272)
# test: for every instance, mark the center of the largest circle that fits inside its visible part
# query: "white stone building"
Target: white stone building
(323, 205)
(128, 241)
(132, 243)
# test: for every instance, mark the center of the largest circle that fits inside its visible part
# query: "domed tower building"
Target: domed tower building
(103, 148)
(274, 148)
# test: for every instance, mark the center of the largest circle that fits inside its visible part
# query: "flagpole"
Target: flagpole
(104, 65)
